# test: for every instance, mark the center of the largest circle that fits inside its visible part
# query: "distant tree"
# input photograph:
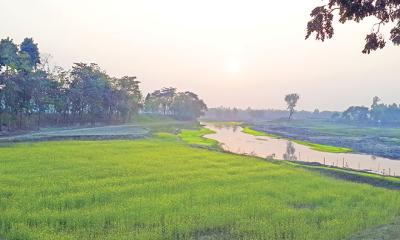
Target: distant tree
(152, 102)
(375, 101)
(188, 106)
(379, 113)
(30, 49)
(357, 114)
(129, 95)
(42, 94)
(89, 85)
(167, 95)
(8, 54)
(385, 11)
(291, 101)
(180, 105)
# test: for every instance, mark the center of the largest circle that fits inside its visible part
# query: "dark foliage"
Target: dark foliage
(31, 96)
(291, 101)
(385, 11)
(378, 113)
(180, 105)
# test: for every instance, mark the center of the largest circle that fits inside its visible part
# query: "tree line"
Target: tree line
(250, 115)
(33, 95)
(378, 113)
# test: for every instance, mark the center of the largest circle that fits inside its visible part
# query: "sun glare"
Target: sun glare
(233, 66)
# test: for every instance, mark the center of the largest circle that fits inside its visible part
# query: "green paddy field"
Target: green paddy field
(165, 187)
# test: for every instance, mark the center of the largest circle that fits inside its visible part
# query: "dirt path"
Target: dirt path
(105, 132)
(384, 232)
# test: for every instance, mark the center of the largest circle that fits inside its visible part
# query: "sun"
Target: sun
(233, 66)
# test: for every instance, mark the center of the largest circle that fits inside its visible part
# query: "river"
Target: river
(232, 139)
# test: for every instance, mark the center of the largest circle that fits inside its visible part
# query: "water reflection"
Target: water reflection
(220, 126)
(290, 153)
(234, 140)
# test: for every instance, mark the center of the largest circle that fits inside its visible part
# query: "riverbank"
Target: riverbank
(236, 139)
(378, 141)
(314, 146)
(198, 138)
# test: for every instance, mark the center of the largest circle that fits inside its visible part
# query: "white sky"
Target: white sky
(232, 53)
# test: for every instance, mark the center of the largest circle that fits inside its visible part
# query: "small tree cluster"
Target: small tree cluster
(180, 105)
(378, 113)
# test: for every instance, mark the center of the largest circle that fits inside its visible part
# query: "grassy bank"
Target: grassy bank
(323, 148)
(161, 188)
(314, 146)
(249, 130)
(196, 137)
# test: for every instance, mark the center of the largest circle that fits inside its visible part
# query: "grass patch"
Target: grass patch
(249, 130)
(195, 137)
(160, 123)
(313, 146)
(323, 148)
(226, 123)
(161, 188)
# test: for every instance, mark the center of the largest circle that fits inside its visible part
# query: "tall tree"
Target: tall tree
(385, 11)
(8, 54)
(129, 95)
(88, 86)
(30, 49)
(375, 101)
(291, 101)
(187, 106)
(167, 97)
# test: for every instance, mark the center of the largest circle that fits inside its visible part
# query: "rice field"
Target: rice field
(161, 188)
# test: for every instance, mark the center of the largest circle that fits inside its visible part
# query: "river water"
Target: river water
(232, 139)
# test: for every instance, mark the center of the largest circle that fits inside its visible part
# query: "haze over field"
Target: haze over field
(233, 53)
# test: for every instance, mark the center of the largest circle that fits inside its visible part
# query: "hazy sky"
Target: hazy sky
(232, 53)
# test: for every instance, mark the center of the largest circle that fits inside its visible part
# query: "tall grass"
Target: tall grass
(163, 189)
